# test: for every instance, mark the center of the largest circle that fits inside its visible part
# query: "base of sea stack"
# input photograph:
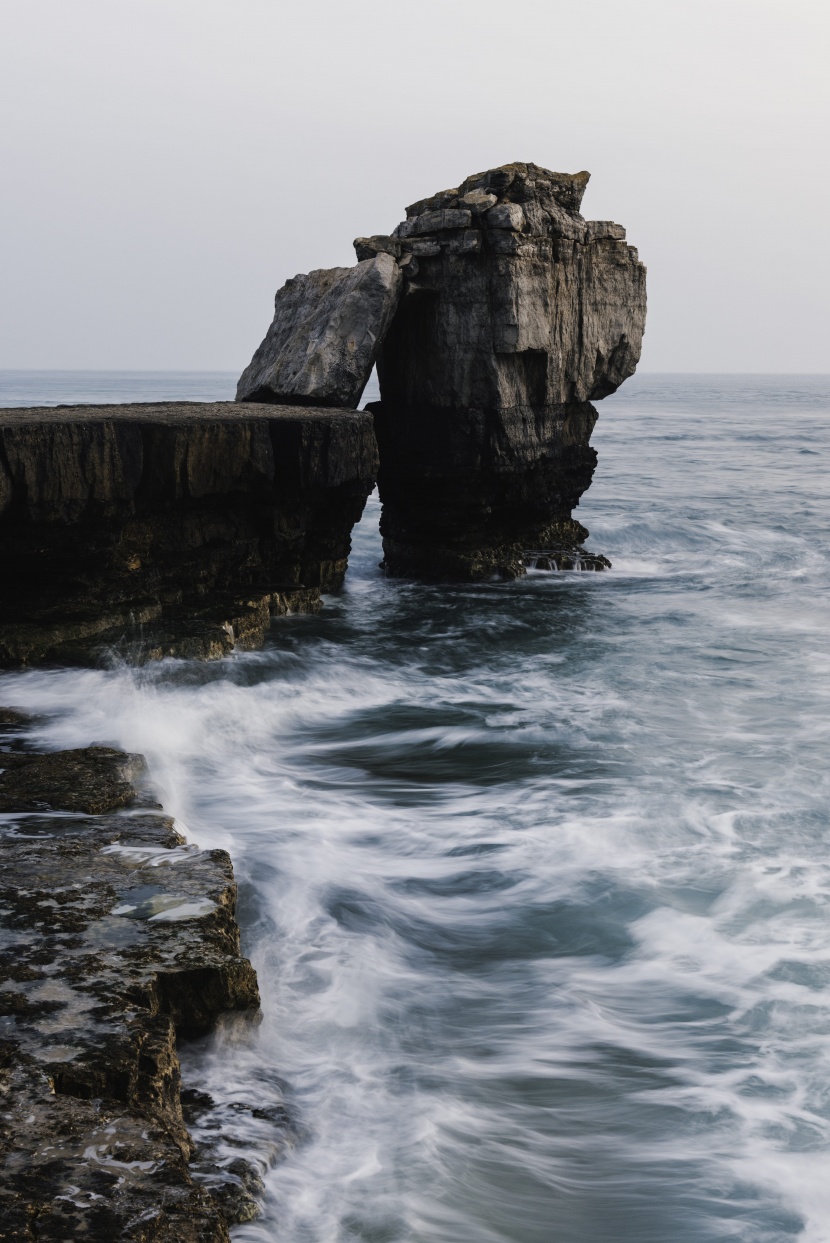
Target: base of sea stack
(118, 939)
(467, 555)
(468, 496)
(175, 528)
(439, 563)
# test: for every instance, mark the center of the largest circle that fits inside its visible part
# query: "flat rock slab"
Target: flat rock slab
(115, 938)
(325, 335)
(169, 412)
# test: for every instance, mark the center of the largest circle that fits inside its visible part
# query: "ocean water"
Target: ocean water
(58, 388)
(535, 875)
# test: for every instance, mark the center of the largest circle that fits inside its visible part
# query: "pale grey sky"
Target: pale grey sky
(166, 164)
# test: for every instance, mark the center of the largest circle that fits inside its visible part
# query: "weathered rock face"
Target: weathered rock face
(324, 338)
(176, 528)
(516, 313)
(117, 939)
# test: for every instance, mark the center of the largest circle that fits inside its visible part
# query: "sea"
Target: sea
(535, 875)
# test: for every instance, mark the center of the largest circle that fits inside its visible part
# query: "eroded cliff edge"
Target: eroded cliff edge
(118, 940)
(172, 528)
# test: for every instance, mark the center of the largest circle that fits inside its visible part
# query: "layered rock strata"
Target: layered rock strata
(516, 314)
(171, 528)
(118, 940)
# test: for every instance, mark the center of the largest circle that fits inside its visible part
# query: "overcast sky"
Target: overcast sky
(167, 164)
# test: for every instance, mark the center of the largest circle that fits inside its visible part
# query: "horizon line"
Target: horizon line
(230, 371)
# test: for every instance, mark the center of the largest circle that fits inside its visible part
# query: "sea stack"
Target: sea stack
(496, 314)
(515, 315)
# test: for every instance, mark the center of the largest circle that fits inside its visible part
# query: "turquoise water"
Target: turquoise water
(536, 875)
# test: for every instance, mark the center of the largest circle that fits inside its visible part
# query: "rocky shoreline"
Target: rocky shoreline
(139, 531)
(496, 315)
(118, 941)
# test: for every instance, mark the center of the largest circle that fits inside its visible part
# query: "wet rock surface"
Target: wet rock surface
(92, 779)
(515, 315)
(171, 528)
(118, 939)
(564, 559)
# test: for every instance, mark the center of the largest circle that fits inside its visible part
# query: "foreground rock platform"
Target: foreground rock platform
(118, 939)
(171, 528)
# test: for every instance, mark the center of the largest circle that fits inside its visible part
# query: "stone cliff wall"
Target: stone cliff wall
(181, 525)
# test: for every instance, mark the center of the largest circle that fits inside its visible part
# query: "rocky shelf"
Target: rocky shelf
(176, 528)
(118, 940)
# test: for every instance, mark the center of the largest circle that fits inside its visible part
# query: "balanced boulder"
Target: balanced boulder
(325, 335)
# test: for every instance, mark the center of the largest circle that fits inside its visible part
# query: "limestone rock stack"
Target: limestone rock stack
(515, 314)
(496, 314)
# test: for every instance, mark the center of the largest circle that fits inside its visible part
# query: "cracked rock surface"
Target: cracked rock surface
(116, 939)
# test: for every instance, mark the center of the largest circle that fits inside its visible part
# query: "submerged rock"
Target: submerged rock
(325, 335)
(176, 528)
(117, 940)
